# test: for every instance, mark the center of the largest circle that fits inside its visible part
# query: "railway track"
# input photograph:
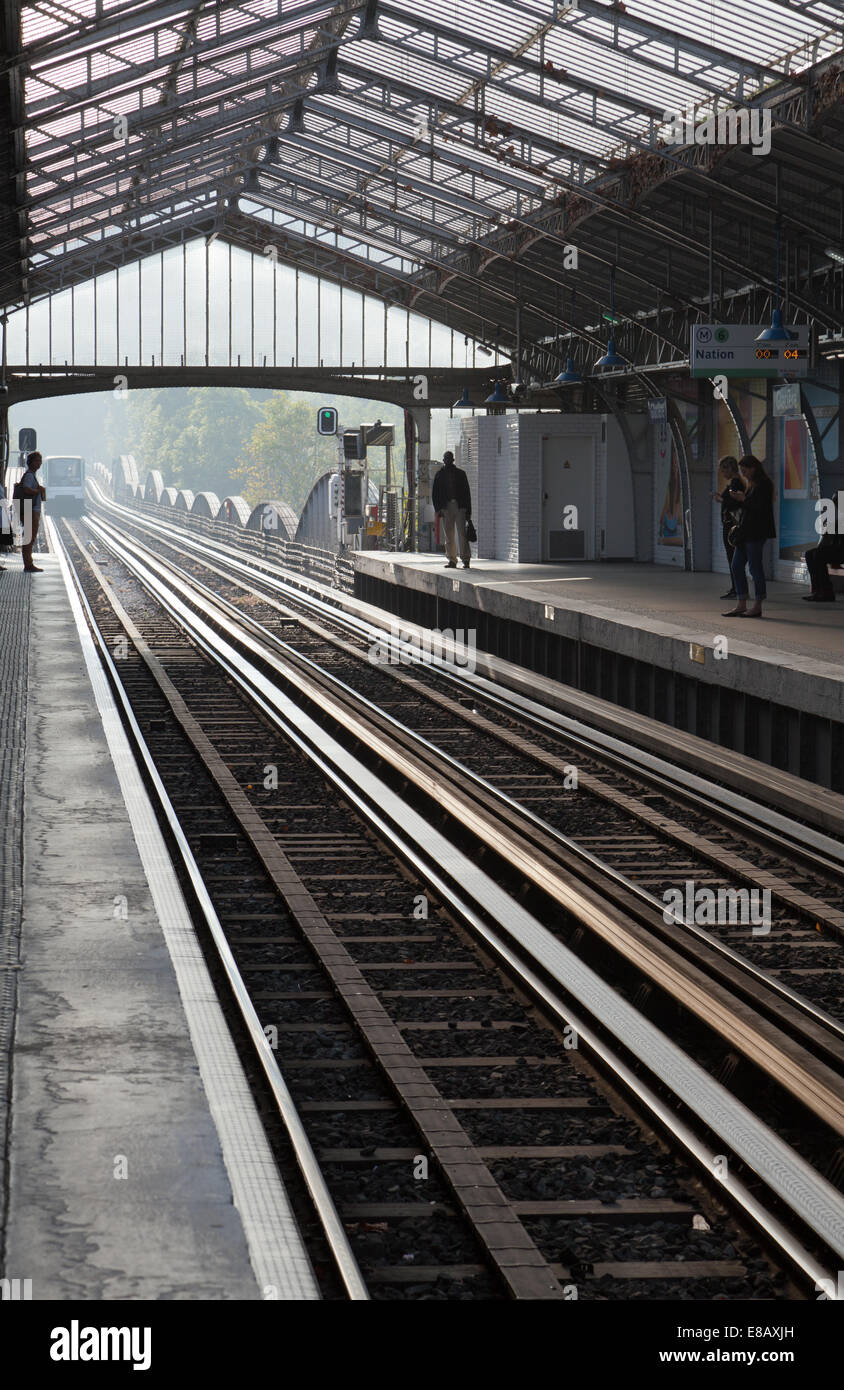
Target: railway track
(489, 859)
(655, 834)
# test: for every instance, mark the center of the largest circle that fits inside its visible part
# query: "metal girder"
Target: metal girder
(430, 258)
(176, 205)
(438, 104)
(366, 175)
(649, 30)
(107, 30)
(417, 147)
(390, 384)
(85, 263)
(559, 108)
(77, 100)
(327, 211)
(12, 155)
(229, 115)
(176, 154)
(410, 182)
(592, 202)
(499, 54)
(322, 211)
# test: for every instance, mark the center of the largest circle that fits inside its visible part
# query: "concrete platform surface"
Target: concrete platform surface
(652, 612)
(118, 1188)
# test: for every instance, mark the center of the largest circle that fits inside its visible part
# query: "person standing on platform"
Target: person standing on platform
(452, 501)
(755, 526)
(31, 491)
(728, 471)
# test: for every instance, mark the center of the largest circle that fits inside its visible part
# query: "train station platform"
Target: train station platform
(134, 1165)
(650, 638)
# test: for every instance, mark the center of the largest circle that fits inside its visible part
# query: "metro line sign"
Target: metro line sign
(732, 350)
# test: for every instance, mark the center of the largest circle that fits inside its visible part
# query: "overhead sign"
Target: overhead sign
(327, 420)
(27, 441)
(733, 350)
(787, 400)
(379, 435)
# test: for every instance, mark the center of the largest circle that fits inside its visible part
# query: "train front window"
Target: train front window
(65, 472)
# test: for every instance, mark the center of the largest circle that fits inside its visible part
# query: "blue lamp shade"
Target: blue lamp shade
(464, 403)
(499, 395)
(777, 333)
(570, 377)
(610, 358)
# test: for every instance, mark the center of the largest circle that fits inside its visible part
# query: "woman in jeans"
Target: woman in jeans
(756, 525)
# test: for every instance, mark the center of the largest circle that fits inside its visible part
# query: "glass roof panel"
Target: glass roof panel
(449, 114)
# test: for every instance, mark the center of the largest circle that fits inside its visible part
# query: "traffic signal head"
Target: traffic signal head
(354, 444)
(327, 420)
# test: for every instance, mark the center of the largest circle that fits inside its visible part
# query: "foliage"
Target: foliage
(263, 444)
(195, 437)
(284, 455)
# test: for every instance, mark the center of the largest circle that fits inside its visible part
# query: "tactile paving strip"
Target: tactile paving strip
(15, 588)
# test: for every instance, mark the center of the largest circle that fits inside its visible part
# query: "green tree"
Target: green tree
(194, 436)
(284, 455)
(261, 443)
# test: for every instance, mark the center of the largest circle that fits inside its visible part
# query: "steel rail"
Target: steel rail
(812, 845)
(464, 775)
(812, 1200)
(308, 1165)
(736, 810)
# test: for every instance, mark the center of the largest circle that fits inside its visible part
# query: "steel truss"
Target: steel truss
(443, 169)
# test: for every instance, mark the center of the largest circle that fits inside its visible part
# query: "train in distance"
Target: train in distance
(63, 476)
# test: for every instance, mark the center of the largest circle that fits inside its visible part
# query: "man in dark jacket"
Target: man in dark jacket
(453, 502)
(828, 551)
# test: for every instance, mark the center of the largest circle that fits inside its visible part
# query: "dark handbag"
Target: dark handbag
(18, 500)
(735, 534)
(471, 533)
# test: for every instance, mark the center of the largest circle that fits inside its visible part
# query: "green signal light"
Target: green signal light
(327, 420)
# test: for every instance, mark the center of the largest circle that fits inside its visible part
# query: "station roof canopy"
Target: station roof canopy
(446, 155)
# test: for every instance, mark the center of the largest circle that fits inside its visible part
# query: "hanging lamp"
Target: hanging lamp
(611, 358)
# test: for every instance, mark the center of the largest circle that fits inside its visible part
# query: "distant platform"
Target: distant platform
(121, 1180)
(603, 627)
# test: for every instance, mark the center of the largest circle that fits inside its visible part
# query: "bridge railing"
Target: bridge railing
(326, 567)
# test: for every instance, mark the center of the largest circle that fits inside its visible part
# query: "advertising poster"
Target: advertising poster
(669, 547)
(795, 459)
(798, 490)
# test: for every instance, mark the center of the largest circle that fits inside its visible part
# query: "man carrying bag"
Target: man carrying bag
(452, 501)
